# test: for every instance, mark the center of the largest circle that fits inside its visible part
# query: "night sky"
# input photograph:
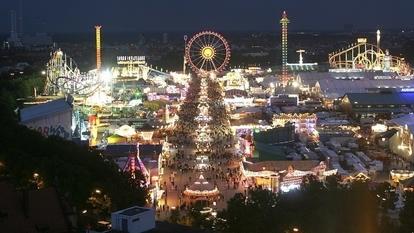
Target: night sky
(176, 15)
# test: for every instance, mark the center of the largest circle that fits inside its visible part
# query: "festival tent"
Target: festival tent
(125, 131)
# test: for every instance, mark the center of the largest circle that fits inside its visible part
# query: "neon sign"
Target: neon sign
(130, 58)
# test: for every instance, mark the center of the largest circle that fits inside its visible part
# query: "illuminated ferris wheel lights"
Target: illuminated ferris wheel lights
(207, 51)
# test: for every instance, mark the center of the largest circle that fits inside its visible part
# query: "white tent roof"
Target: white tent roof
(125, 131)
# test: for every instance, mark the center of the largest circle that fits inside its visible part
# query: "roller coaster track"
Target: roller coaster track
(365, 56)
(64, 77)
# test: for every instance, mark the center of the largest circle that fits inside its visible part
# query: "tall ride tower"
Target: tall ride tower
(98, 48)
(185, 59)
(378, 40)
(284, 21)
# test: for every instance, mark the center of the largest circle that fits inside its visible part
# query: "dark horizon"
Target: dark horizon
(234, 15)
(106, 31)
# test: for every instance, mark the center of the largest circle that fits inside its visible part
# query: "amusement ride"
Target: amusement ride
(365, 56)
(207, 51)
(64, 77)
(202, 120)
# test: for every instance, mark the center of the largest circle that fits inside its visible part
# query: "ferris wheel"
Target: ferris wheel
(207, 51)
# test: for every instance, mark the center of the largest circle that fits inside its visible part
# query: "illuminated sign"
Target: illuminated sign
(130, 58)
(362, 40)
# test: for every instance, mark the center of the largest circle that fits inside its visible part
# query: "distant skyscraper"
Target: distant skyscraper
(13, 40)
(165, 38)
(21, 18)
(141, 39)
(13, 24)
(284, 21)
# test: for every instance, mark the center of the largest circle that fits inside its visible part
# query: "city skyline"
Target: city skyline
(162, 15)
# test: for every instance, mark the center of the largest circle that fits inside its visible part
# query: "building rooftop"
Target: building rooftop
(335, 85)
(408, 182)
(389, 98)
(120, 150)
(124, 150)
(387, 134)
(302, 165)
(46, 109)
(405, 120)
(313, 77)
(133, 211)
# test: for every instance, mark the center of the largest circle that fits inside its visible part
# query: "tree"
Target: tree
(99, 204)
(31, 161)
(386, 196)
(316, 207)
(197, 219)
(407, 214)
(387, 225)
(255, 212)
(175, 216)
(73, 170)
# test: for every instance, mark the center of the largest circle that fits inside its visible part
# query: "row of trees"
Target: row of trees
(318, 207)
(31, 161)
(19, 87)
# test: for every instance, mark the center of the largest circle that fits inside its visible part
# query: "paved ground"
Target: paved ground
(174, 181)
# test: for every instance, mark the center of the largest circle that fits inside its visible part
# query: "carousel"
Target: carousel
(201, 190)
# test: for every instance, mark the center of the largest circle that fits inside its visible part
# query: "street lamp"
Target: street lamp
(98, 191)
(295, 229)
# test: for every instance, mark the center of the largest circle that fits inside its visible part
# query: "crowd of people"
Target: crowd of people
(203, 130)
